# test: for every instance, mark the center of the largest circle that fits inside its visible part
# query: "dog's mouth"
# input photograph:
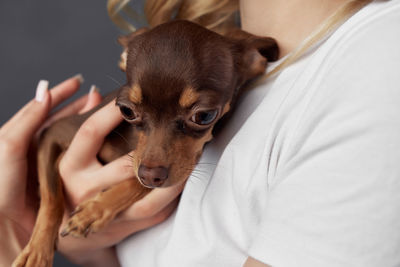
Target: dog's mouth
(156, 183)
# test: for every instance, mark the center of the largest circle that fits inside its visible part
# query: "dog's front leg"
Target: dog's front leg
(39, 252)
(94, 214)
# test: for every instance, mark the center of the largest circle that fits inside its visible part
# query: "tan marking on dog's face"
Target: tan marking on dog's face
(227, 107)
(135, 94)
(184, 155)
(141, 145)
(188, 97)
(124, 58)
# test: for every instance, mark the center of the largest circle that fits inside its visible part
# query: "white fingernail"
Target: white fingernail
(79, 77)
(41, 89)
(93, 89)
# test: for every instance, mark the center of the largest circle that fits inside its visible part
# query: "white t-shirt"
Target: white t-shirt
(307, 172)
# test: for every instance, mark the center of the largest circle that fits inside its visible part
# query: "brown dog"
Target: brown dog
(181, 79)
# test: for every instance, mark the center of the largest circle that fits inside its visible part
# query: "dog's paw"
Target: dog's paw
(89, 217)
(34, 256)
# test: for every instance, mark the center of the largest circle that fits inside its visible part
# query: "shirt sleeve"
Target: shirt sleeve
(336, 201)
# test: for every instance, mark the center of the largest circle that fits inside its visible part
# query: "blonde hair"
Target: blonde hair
(218, 15)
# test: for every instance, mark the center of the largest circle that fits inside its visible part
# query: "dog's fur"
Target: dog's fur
(181, 79)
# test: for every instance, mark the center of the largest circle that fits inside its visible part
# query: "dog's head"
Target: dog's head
(181, 79)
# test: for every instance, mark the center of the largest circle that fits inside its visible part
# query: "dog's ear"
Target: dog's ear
(124, 41)
(256, 52)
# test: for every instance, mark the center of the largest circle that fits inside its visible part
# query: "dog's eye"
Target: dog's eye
(128, 113)
(204, 117)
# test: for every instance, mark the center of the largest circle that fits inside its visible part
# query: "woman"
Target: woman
(306, 172)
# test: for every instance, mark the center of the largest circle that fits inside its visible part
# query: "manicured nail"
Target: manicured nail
(79, 77)
(93, 89)
(41, 90)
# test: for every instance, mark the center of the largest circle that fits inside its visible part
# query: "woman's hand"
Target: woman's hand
(84, 176)
(17, 204)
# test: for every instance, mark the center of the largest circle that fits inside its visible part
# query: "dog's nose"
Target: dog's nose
(153, 177)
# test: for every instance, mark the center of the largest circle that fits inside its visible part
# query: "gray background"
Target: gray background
(53, 40)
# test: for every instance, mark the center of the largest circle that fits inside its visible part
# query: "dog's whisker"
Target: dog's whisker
(197, 170)
(195, 177)
(205, 163)
(128, 166)
(120, 135)
(132, 156)
(114, 80)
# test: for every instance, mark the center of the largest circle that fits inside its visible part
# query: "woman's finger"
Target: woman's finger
(112, 173)
(153, 202)
(73, 108)
(93, 100)
(22, 126)
(64, 90)
(90, 136)
(79, 106)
